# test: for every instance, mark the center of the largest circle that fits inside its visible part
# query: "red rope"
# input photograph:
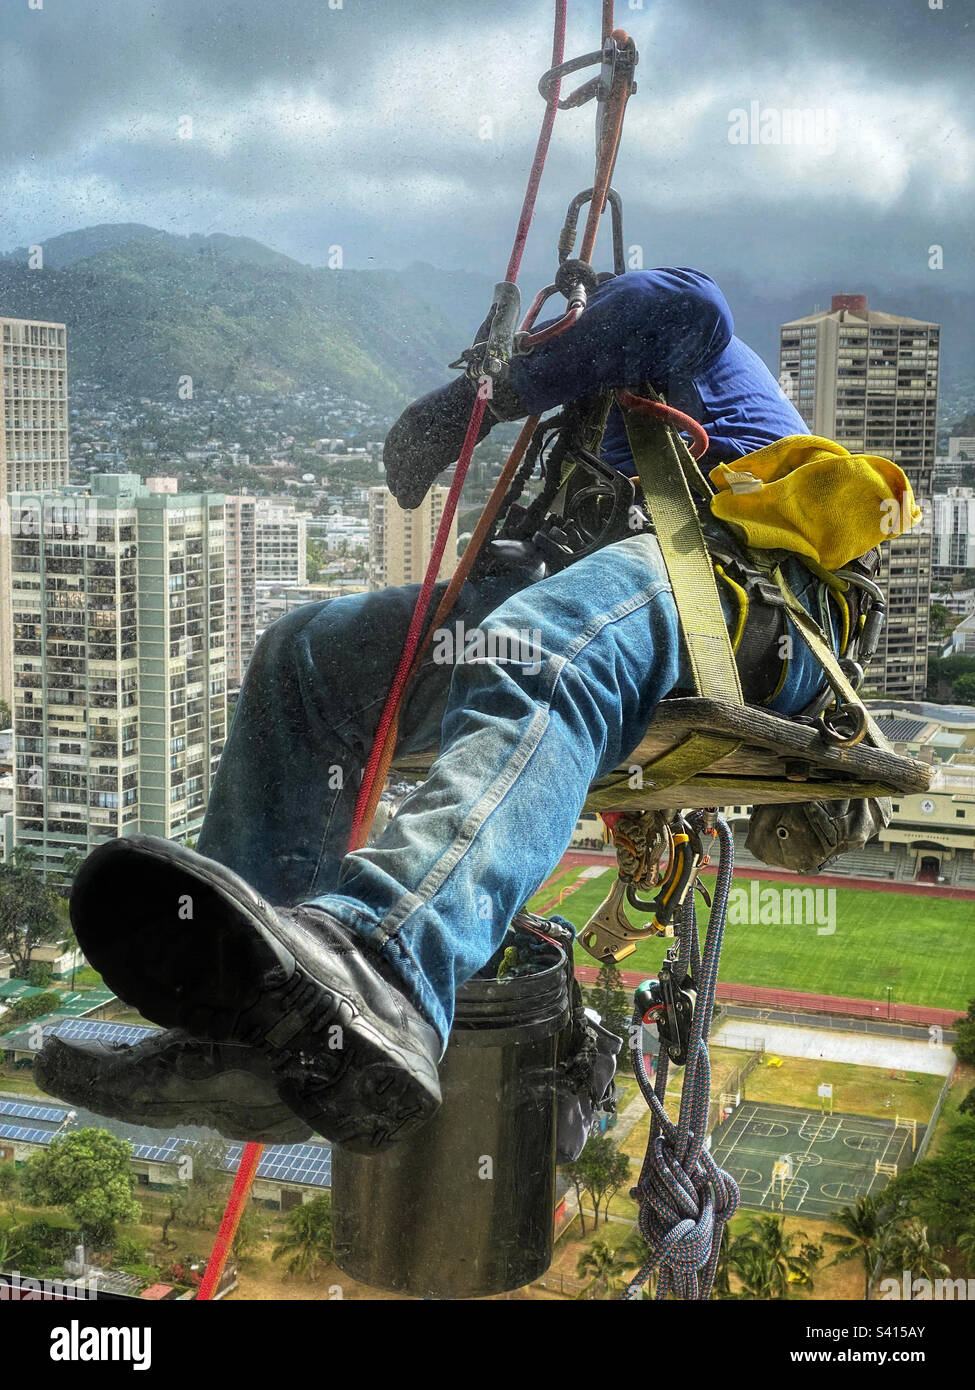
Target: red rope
(541, 149)
(236, 1202)
(699, 435)
(360, 829)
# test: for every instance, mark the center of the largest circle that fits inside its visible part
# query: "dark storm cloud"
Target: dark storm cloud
(364, 126)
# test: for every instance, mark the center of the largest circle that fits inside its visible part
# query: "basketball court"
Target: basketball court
(792, 1160)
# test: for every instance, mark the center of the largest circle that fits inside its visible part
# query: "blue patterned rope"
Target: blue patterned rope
(685, 1199)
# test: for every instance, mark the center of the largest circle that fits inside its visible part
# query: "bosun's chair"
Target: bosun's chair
(711, 749)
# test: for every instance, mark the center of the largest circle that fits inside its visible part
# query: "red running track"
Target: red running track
(794, 1001)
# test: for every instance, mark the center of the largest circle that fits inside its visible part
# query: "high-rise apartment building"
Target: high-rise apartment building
(953, 528)
(119, 663)
(281, 543)
(34, 404)
(241, 586)
(401, 543)
(869, 380)
(33, 435)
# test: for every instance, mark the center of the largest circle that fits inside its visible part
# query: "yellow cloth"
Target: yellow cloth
(812, 496)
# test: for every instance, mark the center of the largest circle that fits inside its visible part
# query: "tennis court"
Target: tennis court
(787, 1159)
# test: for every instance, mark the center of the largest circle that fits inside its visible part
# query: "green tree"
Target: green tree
(207, 1181)
(32, 1007)
(964, 1044)
(939, 617)
(611, 1002)
(174, 1214)
(9, 1184)
(248, 1233)
(604, 1263)
(600, 1170)
(909, 1247)
(13, 1246)
(967, 1106)
(307, 1241)
(29, 915)
(88, 1173)
(966, 1244)
(770, 1261)
(964, 690)
(39, 974)
(864, 1229)
(315, 560)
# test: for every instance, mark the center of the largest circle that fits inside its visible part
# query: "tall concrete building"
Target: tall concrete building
(281, 543)
(869, 380)
(33, 435)
(34, 405)
(241, 586)
(953, 527)
(401, 543)
(119, 663)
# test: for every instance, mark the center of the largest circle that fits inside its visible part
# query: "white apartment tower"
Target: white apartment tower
(119, 663)
(281, 543)
(33, 435)
(869, 380)
(401, 542)
(241, 586)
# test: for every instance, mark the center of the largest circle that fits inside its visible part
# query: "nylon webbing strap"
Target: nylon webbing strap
(681, 540)
(815, 639)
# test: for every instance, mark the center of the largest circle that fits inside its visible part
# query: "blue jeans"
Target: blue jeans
(521, 739)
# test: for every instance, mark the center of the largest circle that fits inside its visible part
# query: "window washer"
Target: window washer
(309, 989)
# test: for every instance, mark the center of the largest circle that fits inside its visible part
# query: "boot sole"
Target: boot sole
(204, 958)
(237, 1120)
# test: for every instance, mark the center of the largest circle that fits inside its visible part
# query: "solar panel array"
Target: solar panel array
(96, 1030)
(901, 730)
(24, 1111)
(167, 1152)
(78, 1029)
(26, 1136)
(308, 1164)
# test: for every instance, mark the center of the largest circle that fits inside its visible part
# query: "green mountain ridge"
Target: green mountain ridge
(144, 309)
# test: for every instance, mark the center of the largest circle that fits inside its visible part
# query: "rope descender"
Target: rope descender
(653, 850)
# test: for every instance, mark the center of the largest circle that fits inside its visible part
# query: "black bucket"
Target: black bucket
(466, 1208)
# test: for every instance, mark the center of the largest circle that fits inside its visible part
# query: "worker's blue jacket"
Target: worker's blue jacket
(673, 329)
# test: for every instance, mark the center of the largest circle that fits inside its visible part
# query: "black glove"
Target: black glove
(428, 437)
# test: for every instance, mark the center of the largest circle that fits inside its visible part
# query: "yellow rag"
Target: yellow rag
(812, 496)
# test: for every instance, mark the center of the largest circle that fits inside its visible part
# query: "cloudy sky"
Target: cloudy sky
(364, 126)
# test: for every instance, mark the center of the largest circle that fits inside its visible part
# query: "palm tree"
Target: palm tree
(966, 1244)
(773, 1259)
(8, 1185)
(605, 1263)
(308, 1238)
(864, 1238)
(753, 1266)
(12, 1246)
(910, 1248)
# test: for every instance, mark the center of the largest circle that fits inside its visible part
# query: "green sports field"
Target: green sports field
(923, 947)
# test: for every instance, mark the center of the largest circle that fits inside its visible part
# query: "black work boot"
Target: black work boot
(191, 945)
(170, 1080)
